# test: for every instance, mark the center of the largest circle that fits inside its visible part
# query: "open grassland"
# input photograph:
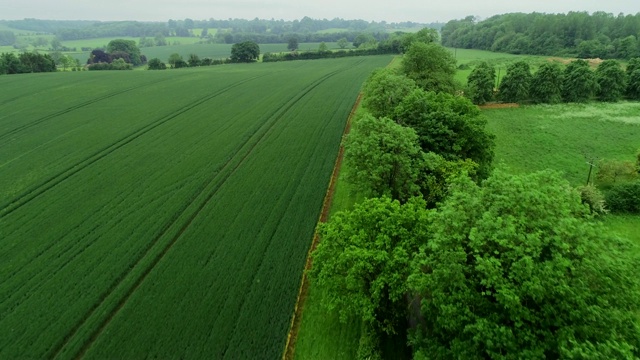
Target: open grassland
(564, 138)
(163, 214)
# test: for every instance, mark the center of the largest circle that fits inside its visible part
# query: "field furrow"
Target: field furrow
(173, 215)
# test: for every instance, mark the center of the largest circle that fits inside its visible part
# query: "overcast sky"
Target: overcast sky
(423, 11)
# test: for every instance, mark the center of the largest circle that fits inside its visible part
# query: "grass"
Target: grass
(564, 137)
(155, 214)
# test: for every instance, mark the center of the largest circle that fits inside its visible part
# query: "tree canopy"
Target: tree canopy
(599, 34)
(612, 81)
(247, 51)
(384, 90)
(431, 66)
(364, 257)
(514, 87)
(546, 84)
(480, 83)
(126, 46)
(579, 82)
(450, 126)
(383, 158)
(514, 270)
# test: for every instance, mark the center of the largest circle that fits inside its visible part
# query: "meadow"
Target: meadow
(163, 214)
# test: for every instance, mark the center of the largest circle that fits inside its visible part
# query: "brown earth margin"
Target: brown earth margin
(290, 347)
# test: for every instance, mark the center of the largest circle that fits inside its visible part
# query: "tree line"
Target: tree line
(552, 83)
(466, 261)
(229, 31)
(26, 62)
(580, 34)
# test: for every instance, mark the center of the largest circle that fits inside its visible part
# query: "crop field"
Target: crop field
(163, 214)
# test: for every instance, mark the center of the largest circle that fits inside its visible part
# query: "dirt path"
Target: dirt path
(290, 346)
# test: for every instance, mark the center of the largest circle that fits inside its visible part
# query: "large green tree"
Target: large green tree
(450, 126)
(363, 260)
(612, 81)
(384, 90)
(579, 82)
(247, 51)
(546, 84)
(292, 43)
(480, 83)
(431, 66)
(383, 158)
(126, 46)
(514, 87)
(515, 269)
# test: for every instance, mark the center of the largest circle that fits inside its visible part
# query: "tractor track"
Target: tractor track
(30, 194)
(226, 171)
(73, 108)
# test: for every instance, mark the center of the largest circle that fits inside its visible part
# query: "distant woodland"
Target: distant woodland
(597, 35)
(227, 31)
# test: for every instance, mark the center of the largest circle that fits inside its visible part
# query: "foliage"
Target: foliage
(383, 158)
(26, 62)
(546, 84)
(579, 82)
(431, 66)
(448, 125)
(594, 199)
(175, 59)
(194, 60)
(362, 261)
(247, 51)
(156, 64)
(612, 82)
(514, 270)
(292, 43)
(598, 34)
(610, 172)
(98, 56)
(624, 197)
(343, 43)
(118, 64)
(514, 87)
(633, 79)
(480, 83)
(127, 46)
(384, 90)
(323, 47)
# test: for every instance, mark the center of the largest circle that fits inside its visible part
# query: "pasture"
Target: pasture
(164, 214)
(564, 138)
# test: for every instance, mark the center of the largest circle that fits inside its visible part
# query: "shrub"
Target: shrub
(624, 197)
(593, 198)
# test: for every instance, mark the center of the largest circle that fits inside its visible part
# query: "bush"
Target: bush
(624, 197)
(593, 198)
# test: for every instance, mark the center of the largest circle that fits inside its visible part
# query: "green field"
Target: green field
(564, 137)
(163, 214)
